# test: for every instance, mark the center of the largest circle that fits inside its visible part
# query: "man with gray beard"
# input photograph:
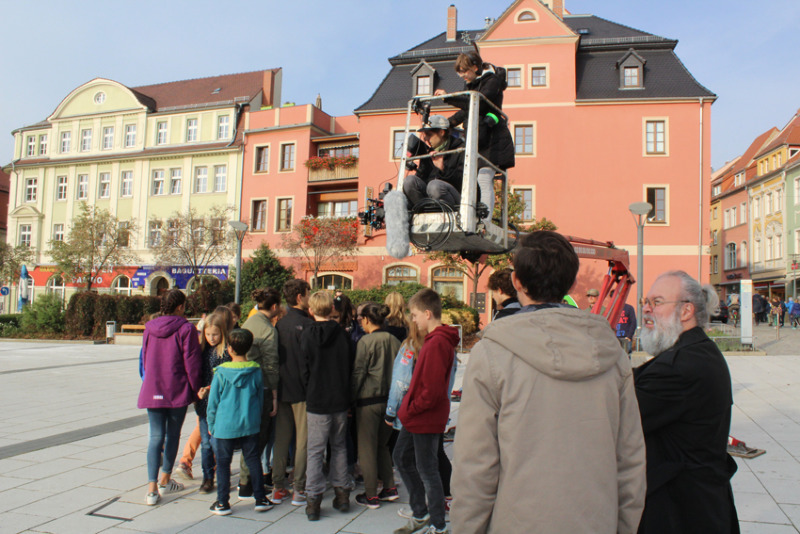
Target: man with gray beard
(685, 400)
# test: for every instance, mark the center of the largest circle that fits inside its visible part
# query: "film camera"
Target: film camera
(374, 215)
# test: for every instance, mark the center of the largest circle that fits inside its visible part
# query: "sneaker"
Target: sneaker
(450, 435)
(184, 470)
(373, 503)
(279, 495)
(407, 513)
(245, 491)
(151, 499)
(415, 525)
(447, 502)
(263, 505)
(388, 495)
(433, 530)
(170, 487)
(220, 508)
(207, 486)
(455, 396)
(298, 498)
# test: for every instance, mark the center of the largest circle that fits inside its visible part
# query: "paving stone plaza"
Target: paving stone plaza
(72, 449)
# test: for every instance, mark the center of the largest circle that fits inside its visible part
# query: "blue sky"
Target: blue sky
(742, 51)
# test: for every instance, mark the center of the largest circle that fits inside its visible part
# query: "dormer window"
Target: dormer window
(631, 77)
(631, 70)
(423, 78)
(423, 86)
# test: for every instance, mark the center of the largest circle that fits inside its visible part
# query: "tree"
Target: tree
(194, 239)
(322, 241)
(12, 258)
(263, 269)
(97, 240)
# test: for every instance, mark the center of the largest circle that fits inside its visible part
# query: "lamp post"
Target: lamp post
(639, 210)
(239, 228)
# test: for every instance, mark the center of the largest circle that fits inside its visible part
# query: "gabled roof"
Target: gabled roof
(438, 47)
(748, 158)
(790, 135)
(596, 31)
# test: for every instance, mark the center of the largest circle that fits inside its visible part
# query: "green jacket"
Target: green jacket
(372, 370)
(265, 348)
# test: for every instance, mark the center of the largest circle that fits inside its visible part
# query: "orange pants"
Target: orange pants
(192, 445)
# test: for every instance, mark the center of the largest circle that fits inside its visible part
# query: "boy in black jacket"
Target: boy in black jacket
(326, 377)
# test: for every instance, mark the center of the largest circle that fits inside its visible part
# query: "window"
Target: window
(400, 274)
(220, 178)
(398, 139)
(130, 135)
(43, 144)
(726, 219)
(345, 208)
(104, 187)
(175, 179)
(756, 207)
(743, 254)
(657, 197)
(198, 231)
(121, 286)
(738, 179)
(338, 151)
(715, 213)
(83, 186)
(30, 189)
(161, 133)
(715, 265)
(258, 217)
(768, 204)
(523, 139)
(191, 130)
(217, 230)
(733, 216)
(514, 77)
(730, 256)
(757, 251)
(716, 190)
(526, 195)
(449, 281)
(770, 249)
(780, 158)
(55, 286)
(715, 237)
(200, 179)
(284, 221)
(287, 157)
(126, 188)
(154, 233)
(99, 97)
(797, 192)
(262, 159)
(86, 140)
(66, 138)
(538, 76)
(58, 232)
(123, 234)
(172, 231)
(332, 282)
(655, 137)
(631, 77)
(31, 146)
(24, 235)
(223, 130)
(526, 16)
(423, 85)
(158, 182)
(743, 213)
(778, 201)
(61, 188)
(108, 138)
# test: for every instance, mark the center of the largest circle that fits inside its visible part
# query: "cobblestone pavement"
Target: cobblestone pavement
(72, 449)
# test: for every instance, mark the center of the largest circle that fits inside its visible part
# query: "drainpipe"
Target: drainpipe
(700, 201)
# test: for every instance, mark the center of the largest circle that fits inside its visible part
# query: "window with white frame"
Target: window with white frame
(526, 195)
(448, 281)
(220, 178)
(262, 159)
(778, 201)
(55, 286)
(200, 179)
(223, 127)
(61, 188)
(287, 157)
(538, 76)
(743, 213)
(83, 187)
(43, 144)
(104, 185)
(284, 215)
(217, 230)
(191, 130)
(126, 184)
(154, 233)
(656, 137)
(423, 85)
(743, 259)
(716, 190)
(401, 274)
(738, 179)
(58, 232)
(770, 250)
(121, 285)
(768, 204)
(730, 256)
(172, 231)
(24, 235)
(258, 218)
(715, 265)
(124, 234)
(66, 140)
(108, 138)
(398, 139)
(198, 231)
(161, 133)
(757, 251)
(657, 197)
(86, 140)
(514, 77)
(726, 219)
(756, 207)
(631, 77)
(340, 208)
(332, 282)
(158, 182)
(523, 139)
(175, 181)
(779, 246)
(31, 151)
(715, 237)
(30, 189)
(733, 216)
(130, 135)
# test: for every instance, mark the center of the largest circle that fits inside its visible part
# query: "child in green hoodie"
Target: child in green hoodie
(234, 418)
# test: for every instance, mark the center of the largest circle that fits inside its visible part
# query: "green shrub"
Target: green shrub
(378, 294)
(263, 269)
(80, 313)
(466, 317)
(46, 315)
(130, 310)
(105, 310)
(11, 319)
(226, 293)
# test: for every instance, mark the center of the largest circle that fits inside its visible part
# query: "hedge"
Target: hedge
(87, 312)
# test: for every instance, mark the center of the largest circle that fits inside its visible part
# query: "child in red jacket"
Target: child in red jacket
(424, 414)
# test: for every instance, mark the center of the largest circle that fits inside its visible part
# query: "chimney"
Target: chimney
(558, 8)
(452, 23)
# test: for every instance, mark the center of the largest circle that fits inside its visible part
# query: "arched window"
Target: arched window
(399, 274)
(331, 281)
(743, 254)
(448, 281)
(730, 256)
(55, 286)
(526, 16)
(122, 285)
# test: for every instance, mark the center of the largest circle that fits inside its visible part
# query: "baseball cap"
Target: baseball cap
(592, 293)
(436, 122)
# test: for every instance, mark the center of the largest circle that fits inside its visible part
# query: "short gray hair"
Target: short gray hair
(704, 298)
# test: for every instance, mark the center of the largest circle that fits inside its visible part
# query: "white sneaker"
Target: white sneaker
(172, 486)
(405, 512)
(151, 499)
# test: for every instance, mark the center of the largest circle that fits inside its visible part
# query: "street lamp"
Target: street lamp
(639, 210)
(239, 228)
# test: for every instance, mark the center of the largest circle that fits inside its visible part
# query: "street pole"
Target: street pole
(639, 210)
(240, 229)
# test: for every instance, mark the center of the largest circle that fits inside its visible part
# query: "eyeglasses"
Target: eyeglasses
(656, 302)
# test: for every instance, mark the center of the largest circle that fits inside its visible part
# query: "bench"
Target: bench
(137, 328)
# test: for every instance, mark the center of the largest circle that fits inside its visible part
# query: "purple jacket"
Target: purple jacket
(172, 363)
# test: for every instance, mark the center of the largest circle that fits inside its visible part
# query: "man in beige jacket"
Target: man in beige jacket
(549, 436)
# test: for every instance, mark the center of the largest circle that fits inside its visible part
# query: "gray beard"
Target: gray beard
(663, 336)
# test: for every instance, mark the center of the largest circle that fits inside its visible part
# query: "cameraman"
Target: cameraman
(438, 177)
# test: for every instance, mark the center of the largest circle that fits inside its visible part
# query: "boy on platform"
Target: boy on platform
(234, 418)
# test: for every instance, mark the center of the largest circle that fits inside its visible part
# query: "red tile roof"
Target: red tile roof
(790, 135)
(758, 143)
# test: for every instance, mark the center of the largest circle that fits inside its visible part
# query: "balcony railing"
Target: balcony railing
(339, 173)
(768, 265)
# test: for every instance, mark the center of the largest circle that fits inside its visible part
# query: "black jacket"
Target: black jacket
(453, 171)
(326, 376)
(510, 307)
(494, 142)
(685, 401)
(291, 357)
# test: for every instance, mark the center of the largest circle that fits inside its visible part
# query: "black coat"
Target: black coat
(685, 400)
(290, 357)
(494, 142)
(453, 168)
(326, 375)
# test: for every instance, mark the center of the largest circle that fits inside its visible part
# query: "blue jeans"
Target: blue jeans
(165, 435)
(252, 457)
(416, 457)
(205, 447)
